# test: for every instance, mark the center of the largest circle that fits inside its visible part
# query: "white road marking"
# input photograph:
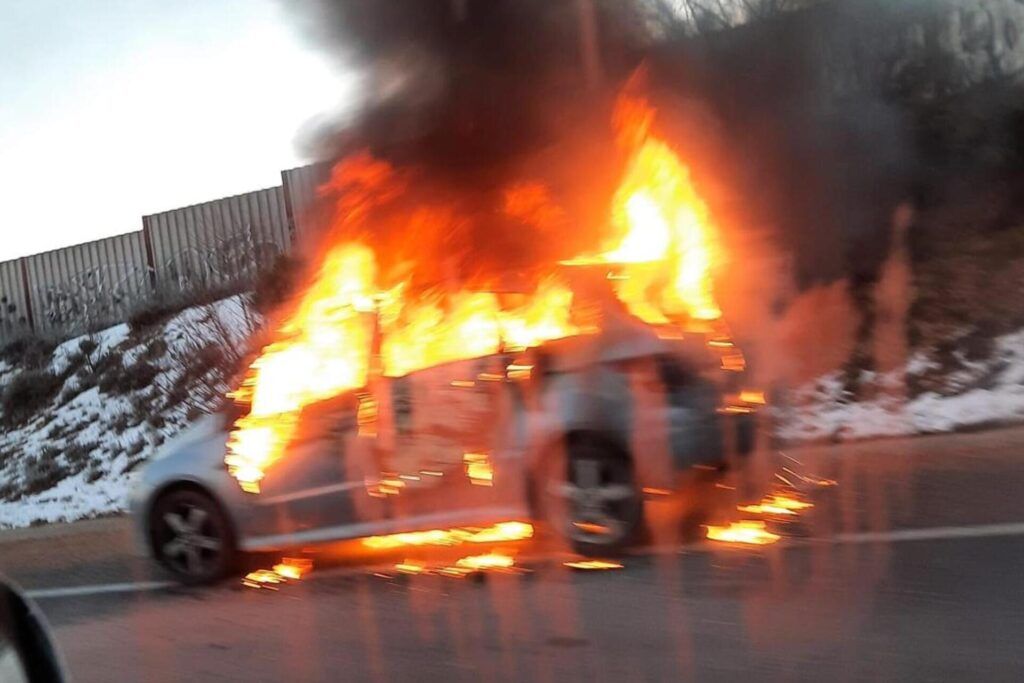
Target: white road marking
(892, 536)
(932, 533)
(79, 591)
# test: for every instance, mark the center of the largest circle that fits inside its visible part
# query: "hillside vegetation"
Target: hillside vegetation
(80, 418)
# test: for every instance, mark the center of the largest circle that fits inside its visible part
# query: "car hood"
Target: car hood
(195, 450)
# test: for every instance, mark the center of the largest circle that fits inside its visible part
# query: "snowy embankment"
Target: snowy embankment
(113, 398)
(982, 394)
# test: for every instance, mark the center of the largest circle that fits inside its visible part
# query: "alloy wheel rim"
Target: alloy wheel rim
(591, 503)
(191, 544)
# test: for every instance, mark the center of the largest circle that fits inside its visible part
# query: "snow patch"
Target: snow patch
(820, 411)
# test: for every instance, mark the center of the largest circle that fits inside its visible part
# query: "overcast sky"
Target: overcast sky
(111, 109)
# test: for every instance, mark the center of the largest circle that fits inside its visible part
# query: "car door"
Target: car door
(441, 438)
(321, 481)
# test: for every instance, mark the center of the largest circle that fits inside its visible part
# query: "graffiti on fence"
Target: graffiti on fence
(12, 319)
(109, 293)
(217, 247)
(231, 261)
(92, 297)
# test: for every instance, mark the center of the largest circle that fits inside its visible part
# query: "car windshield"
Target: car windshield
(512, 340)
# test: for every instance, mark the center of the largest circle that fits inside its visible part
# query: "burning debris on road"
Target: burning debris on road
(461, 568)
(776, 504)
(746, 532)
(781, 506)
(288, 569)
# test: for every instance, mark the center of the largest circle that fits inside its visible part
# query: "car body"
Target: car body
(571, 433)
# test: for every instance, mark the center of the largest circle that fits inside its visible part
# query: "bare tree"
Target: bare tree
(689, 17)
(754, 10)
(206, 359)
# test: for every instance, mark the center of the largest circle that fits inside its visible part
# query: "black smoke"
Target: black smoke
(470, 97)
(469, 88)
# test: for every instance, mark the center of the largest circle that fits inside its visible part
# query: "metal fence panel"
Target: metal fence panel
(308, 212)
(214, 245)
(15, 317)
(219, 243)
(85, 286)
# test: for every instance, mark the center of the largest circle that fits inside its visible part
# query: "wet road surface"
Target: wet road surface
(908, 569)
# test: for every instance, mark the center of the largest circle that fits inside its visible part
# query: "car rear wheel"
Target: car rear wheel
(591, 497)
(192, 537)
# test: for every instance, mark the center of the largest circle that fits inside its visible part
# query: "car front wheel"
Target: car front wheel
(192, 537)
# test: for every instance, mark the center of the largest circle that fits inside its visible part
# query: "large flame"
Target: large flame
(440, 328)
(662, 258)
(666, 241)
(664, 220)
(323, 350)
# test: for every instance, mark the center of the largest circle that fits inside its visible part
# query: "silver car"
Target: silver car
(573, 434)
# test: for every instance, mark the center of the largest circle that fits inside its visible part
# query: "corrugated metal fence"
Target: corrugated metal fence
(218, 245)
(77, 288)
(306, 209)
(15, 316)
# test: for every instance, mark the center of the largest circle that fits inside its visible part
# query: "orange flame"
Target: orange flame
(498, 533)
(323, 351)
(441, 328)
(478, 469)
(288, 569)
(751, 396)
(488, 561)
(777, 504)
(263, 578)
(462, 567)
(663, 219)
(666, 244)
(531, 203)
(743, 532)
(293, 568)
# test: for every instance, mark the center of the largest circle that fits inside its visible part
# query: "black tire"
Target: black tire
(192, 537)
(588, 495)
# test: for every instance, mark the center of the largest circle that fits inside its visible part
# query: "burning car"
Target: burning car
(571, 433)
(399, 395)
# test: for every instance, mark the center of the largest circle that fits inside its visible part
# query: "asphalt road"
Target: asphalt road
(908, 569)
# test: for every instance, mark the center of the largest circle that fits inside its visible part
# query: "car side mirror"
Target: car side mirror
(27, 654)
